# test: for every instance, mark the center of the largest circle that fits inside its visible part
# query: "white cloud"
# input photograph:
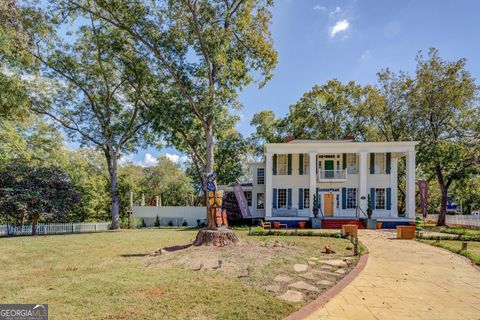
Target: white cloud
(337, 10)
(319, 8)
(176, 158)
(340, 26)
(125, 159)
(149, 160)
(366, 56)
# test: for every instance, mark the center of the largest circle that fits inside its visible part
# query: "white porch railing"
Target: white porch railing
(329, 175)
(53, 228)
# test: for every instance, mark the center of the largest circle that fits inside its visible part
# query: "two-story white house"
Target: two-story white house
(342, 175)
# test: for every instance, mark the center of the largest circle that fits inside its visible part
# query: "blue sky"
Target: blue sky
(353, 40)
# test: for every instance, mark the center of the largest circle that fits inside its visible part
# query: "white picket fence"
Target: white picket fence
(470, 221)
(53, 228)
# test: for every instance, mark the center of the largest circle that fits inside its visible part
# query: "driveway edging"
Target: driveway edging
(330, 293)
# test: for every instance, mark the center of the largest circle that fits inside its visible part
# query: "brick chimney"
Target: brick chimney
(289, 138)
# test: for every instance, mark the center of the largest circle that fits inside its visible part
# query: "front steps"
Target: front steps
(338, 223)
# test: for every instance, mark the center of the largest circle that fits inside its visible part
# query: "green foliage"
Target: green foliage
(259, 231)
(144, 225)
(184, 224)
(170, 223)
(157, 222)
(29, 194)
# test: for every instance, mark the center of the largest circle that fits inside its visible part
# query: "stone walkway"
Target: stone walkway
(405, 279)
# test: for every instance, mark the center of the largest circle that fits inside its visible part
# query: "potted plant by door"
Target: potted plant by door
(371, 223)
(316, 222)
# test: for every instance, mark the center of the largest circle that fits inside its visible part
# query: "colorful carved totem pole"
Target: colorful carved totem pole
(216, 216)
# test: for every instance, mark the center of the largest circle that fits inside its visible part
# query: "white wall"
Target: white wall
(176, 214)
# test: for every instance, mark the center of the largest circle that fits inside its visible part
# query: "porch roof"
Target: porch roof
(339, 146)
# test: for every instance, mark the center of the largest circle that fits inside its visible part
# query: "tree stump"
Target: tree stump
(218, 238)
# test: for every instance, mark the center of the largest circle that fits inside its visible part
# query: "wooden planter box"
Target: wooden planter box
(406, 232)
(276, 225)
(349, 230)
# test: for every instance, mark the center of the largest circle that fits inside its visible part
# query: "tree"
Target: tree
(268, 129)
(169, 182)
(208, 49)
(97, 88)
(330, 111)
(443, 102)
(30, 194)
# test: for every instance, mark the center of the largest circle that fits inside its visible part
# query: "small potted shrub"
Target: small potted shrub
(157, 222)
(371, 223)
(315, 222)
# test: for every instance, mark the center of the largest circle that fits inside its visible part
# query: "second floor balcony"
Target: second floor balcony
(332, 175)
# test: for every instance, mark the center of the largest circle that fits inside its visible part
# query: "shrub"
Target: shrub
(184, 224)
(157, 222)
(170, 223)
(144, 225)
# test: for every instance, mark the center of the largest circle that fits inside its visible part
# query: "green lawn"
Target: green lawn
(472, 252)
(107, 275)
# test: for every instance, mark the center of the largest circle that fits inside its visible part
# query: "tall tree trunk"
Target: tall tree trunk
(444, 195)
(112, 168)
(208, 169)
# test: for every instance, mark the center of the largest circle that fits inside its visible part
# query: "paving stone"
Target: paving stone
(313, 258)
(272, 288)
(335, 263)
(308, 276)
(326, 267)
(349, 258)
(285, 279)
(323, 272)
(303, 286)
(292, 296)
(340, 271)
(325, 282)
(300, 267)
(312, 263)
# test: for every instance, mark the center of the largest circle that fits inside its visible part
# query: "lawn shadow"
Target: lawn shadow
(133, 255)
(178, 247)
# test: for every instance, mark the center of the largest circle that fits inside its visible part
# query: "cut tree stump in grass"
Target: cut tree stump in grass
(219, 238)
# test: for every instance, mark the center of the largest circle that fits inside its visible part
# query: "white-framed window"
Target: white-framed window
(282, 199)
(379, 163)
(351, 163)
(306, 164)
(351, 198)
(260, 175)
(379, 198)
(260, 201)
(282, 164)
(248, 196)
(306, 198)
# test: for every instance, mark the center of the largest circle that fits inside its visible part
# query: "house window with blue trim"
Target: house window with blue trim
(380, 198)
(260, 201)
(351, 198)
(306, 198)
(379, 163)
(282, 199)
(260, 175)
(352, 163)
(282, 164)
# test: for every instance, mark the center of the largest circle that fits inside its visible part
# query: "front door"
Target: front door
(328, 204)
(328, 168)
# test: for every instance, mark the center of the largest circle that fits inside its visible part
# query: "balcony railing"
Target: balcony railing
(331, 175)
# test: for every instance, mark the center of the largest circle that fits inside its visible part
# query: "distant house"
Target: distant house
(341, 174)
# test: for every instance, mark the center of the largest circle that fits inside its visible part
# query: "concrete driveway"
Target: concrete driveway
(406, 279)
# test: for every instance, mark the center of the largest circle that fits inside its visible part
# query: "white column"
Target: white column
(394, 186)
(313, 178)
(410, 213)
(363, 171)
(268, 184)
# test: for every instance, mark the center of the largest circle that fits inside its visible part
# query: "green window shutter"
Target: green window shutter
(372, 198)
(344, 160)
(289, 197)
(300, 198)
(344, 198)
(300, 164)
(289, 164)
(274, 164)
(274, 198)
(388, 164)
(372, 163)
(389, 199)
